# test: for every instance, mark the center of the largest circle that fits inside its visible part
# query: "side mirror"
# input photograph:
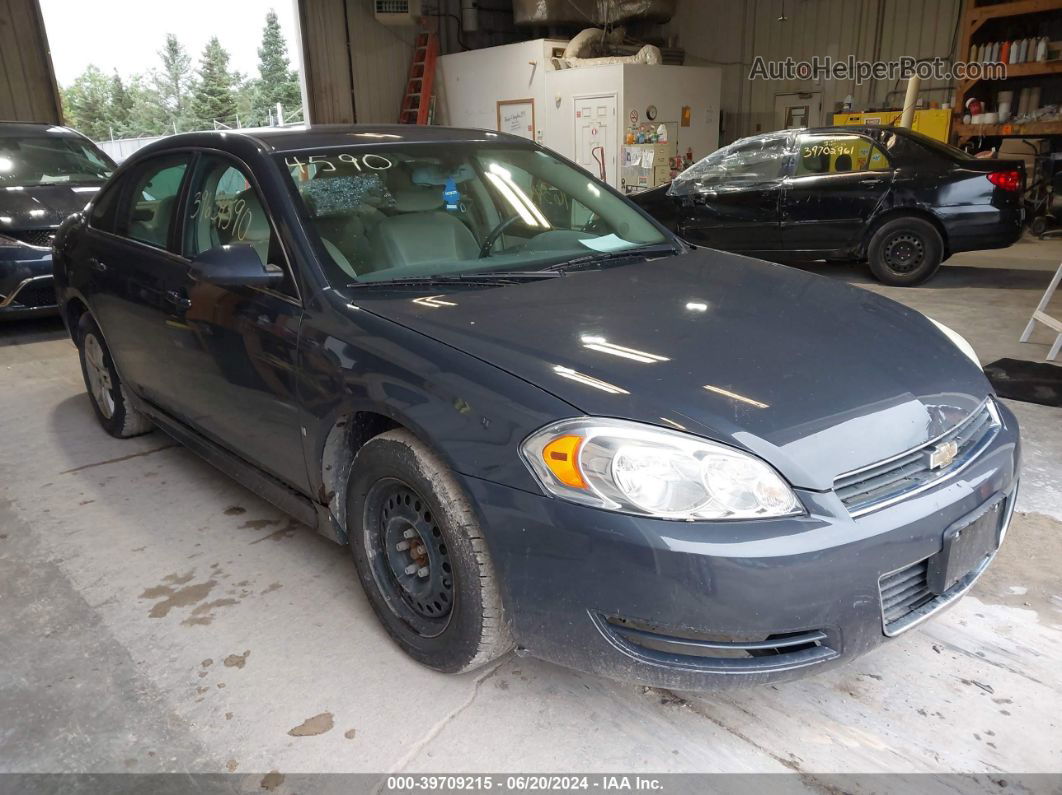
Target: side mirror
(235, 265)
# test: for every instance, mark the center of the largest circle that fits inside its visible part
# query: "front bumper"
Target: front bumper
(704, 605)
(26, 283)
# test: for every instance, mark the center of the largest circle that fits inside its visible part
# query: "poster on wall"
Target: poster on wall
(517, 117)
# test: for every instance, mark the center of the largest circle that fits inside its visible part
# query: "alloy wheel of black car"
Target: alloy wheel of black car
(421, 557)
(905, 251)
(110, 402)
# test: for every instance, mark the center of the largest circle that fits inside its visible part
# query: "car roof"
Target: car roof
(25, 128)
(323, 136)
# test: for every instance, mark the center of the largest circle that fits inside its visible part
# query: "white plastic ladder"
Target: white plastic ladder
(1040, 315)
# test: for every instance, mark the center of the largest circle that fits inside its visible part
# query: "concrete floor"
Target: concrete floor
(155, 616)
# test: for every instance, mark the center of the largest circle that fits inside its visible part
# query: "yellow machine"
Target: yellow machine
(934, 123)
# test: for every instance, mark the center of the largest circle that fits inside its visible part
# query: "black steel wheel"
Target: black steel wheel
(905, 251)
(421, 557)
(411, 563)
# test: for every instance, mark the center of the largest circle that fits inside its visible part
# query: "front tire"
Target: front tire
(421, 557)
(905, 251)
(109, 398)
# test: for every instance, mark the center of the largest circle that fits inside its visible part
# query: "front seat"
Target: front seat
(420, 233)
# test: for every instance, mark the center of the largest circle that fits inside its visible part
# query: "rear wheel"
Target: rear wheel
(421, 557)
(110, 401)
(905, 251)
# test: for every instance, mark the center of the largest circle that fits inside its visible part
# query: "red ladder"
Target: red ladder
(416, 104)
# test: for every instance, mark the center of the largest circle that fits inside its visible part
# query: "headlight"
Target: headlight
(634, 468)
(958, 339)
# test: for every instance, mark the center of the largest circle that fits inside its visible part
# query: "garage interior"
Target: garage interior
(159, 618)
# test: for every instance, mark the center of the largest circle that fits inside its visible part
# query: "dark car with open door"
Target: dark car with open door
(46, 173)
(892, 198)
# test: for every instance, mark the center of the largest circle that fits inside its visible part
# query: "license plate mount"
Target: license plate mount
(965, 545)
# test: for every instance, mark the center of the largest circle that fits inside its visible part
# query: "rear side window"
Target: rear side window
(837, 154)
(152, 202)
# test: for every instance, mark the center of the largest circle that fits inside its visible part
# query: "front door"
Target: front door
(731, 199)
(232, 372)
(838, 181)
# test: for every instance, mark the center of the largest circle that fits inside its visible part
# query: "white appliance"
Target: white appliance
(582, 113)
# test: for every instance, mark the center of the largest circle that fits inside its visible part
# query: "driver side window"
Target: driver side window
(224, 208)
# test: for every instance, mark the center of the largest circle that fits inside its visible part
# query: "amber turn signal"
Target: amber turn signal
(562, 457)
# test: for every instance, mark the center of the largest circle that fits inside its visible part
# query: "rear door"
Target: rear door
(234, 349)
(133, 268)
(837, 182)
(731, 200)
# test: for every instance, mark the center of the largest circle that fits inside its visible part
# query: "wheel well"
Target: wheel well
(72, 313)
(347, 436)
(910, 212)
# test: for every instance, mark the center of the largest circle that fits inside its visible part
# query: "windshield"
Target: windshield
(51, 159)
(428, 209)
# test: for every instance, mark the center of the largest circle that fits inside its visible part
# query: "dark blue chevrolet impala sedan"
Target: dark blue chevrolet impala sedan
(539, 419)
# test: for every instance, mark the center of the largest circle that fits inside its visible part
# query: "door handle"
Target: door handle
(178, 300)
(871, 181)
(96, 265)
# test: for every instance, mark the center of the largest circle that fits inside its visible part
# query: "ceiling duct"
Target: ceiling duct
(593, 46)
(595, 12)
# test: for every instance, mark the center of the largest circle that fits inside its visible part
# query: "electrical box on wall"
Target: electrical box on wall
(396, 12)
(592, 115)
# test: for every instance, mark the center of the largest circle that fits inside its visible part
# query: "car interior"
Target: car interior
(427, 215)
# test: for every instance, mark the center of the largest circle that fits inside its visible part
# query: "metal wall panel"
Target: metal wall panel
(380, 56)
(356, 68)
(27, 83)
(325, 61)
(732, 33)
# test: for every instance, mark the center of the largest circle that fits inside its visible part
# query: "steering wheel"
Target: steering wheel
(495, 233)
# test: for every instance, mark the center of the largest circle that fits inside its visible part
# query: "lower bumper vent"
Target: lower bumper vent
(720, 653)
(904, 592)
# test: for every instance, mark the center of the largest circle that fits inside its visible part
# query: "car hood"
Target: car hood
(815, 376)
(42, 206)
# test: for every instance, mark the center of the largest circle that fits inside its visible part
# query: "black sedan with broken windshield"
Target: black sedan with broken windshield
(539, 419)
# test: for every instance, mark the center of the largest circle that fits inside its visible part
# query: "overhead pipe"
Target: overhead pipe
(909, 102)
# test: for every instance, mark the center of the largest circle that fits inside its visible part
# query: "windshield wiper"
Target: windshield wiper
(466, 279)
(607, 256)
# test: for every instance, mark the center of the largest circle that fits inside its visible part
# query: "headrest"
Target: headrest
(418, 200)
(436, 175)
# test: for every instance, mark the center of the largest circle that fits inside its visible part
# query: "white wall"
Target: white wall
(669, 88)
(731, 33)
(471, 83)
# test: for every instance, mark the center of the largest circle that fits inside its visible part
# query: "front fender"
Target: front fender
(360, 373)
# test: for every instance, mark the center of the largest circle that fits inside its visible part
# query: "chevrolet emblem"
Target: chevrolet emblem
(943, 454)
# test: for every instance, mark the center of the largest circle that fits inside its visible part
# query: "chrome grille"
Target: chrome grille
(33, 237)
(880, 484)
